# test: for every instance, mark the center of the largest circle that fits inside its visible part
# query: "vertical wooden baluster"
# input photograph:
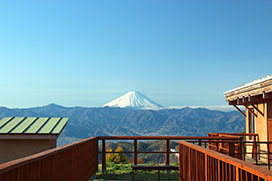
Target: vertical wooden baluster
(231, 149)
(135, 151)
(206, 166)
(268, 156)
(103, 155)
(199, 142)
(255, 150)
(167, 152)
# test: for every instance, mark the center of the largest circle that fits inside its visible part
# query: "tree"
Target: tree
(110, 156)
(117, 157)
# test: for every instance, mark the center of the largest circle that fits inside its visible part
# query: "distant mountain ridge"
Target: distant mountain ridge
(85, 122)
(134, 100)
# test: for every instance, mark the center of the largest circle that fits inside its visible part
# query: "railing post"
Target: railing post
(199, 142)
(244, 151)
(231, 149)
(240, 156)
(167, 152)
(268, 156)
(135, 151)
(103, 155)
(237, 173)
(180, 148)
(206, 166)
(255, 148)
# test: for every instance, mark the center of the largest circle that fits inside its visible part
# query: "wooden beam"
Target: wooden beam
(256, 99)
(255, 107)
(240, 110)
(239, 101)
(267, 95)
(246, 100)
(250, 111)
(234, 102)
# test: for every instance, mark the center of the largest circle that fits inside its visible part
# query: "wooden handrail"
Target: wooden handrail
(160, 138)
(135, 152)
(210, 164)
(62, 163)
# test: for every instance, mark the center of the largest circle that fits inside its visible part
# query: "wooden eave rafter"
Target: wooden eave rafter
(250, 95)
(252, 112)
(240, 111)
(255, 107)
(250, 100)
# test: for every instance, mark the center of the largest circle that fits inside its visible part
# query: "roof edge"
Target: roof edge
(258, 81)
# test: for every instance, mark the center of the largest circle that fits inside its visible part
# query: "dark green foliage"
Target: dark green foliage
(123, 172)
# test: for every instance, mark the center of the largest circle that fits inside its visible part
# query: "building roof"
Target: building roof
(259, 90)
(32, 125)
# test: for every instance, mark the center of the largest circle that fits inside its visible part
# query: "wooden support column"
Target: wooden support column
(167, 149)
(240, 111)
(250, 111)
(103, 155)
(135, 152)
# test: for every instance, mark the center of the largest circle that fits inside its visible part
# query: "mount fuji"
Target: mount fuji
(134, 100)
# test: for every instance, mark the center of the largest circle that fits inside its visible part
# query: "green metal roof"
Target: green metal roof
(32, 125)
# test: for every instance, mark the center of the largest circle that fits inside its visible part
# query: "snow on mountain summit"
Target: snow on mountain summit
(134, 100)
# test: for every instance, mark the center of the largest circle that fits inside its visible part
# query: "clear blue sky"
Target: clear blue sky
(86, 53)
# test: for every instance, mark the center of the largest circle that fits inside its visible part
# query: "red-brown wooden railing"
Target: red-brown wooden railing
(200, 140)
(202, 164)
(77, 161)
(240, 147)
(261, 150)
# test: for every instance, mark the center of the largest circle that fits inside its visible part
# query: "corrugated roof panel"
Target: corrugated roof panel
(20, 129)
(49, 126)
(37, 125)
(4, 121)
(32, 125)
(60, 126)
(9, 126)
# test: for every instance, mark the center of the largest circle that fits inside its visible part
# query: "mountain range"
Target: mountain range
(134, 114)
(85, 122)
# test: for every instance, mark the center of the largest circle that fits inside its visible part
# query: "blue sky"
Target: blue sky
(86, 53)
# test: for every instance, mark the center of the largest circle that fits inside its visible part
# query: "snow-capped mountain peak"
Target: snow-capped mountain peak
(134, 100)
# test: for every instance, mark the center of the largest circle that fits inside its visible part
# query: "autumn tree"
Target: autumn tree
(117, 157)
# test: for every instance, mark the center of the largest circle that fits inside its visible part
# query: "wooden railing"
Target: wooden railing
(240, 147)
(248, 147)
(202, 164)
(204, 141)
(77, 161)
